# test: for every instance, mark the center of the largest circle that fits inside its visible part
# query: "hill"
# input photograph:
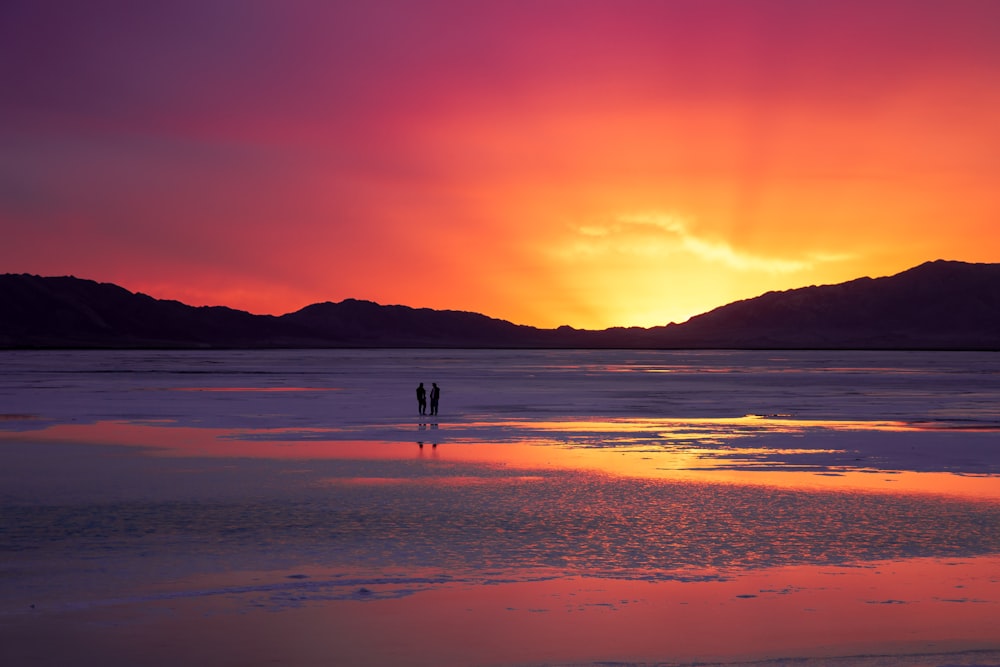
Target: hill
(366, 324)
(937, 305)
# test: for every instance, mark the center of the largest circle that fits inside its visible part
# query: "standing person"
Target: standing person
(422, 399)
(435, 397)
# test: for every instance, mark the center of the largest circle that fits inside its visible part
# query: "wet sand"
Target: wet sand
(925, 612)
(714, 597)
(152, 524)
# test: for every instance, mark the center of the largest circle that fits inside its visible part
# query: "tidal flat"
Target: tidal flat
(573, 507)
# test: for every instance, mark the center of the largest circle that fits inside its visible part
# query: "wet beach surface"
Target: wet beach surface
(564, 508)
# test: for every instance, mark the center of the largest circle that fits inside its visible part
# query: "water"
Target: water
(304, 484)
(378, 384)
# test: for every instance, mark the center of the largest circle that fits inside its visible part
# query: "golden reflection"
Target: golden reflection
(709, 460)
(773, 424)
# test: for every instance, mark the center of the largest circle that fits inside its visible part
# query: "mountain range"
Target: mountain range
(937, 305)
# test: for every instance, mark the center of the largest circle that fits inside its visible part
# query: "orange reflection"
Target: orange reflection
(698, 462)
(256, 389)
(737, 425)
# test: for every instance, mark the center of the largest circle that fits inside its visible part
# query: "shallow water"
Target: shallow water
(167, 487)
(332, 387)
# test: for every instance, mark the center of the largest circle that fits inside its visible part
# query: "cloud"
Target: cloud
(661, 235)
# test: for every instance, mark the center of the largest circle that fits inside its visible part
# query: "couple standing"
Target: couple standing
(422, 398)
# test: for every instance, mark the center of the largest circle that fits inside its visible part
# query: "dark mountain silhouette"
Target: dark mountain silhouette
(71, 312)
(357, 323)
(937, 305)
(933, 306)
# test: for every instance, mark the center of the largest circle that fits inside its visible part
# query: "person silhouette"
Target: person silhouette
(422, 399)
(435, 397)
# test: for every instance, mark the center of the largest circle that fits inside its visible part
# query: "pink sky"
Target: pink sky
(552, 162)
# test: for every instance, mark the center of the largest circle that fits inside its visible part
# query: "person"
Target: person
(435, 397)
(422, 399)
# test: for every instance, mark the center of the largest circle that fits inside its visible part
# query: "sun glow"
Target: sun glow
(630, 164)
(653, 268)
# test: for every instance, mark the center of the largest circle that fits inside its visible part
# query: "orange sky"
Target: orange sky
(553, 162)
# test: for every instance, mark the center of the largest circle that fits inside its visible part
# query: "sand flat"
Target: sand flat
(284, 523)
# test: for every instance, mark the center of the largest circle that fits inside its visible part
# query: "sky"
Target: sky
(549, 162)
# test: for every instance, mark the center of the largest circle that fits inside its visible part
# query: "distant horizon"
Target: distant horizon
(479, 312)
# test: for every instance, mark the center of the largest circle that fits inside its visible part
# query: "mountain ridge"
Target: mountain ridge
(939, 304)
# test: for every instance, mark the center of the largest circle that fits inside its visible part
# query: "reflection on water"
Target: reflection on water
(594, 505)
(337, 387)
(468, 524)
(461, 507)
(258, 389)
(750, 450)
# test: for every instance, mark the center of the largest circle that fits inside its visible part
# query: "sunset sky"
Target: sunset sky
(549, 162)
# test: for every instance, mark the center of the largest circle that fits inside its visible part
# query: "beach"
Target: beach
(572, 507)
